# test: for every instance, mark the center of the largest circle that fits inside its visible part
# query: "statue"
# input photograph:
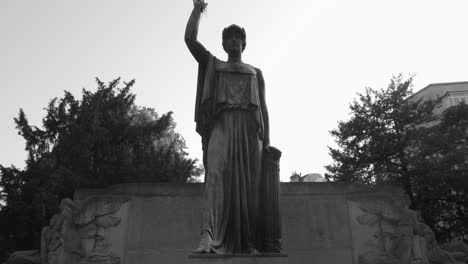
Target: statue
(50, 241)
(453, 252)
(403, 238)
(232, 118)
(71, 239)
(79, 232)
(60, 241)
(398, 244)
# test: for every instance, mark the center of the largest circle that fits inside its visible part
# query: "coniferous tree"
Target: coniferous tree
(439, 170)
(392, 138)
(100, 140)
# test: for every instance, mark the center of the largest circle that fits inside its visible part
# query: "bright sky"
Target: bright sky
(315, 57)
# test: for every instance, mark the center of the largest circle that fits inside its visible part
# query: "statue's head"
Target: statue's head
(67, 203)
(419, 216)
(53, 220)
(234, 39)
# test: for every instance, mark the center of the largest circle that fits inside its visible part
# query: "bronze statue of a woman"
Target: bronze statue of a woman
(232, 119)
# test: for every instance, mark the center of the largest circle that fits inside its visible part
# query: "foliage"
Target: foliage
(392, 138)
(439, 169)
(372, 143)
(100, 140)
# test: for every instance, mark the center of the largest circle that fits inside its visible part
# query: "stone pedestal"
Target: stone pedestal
(273, 258)
(323, 222)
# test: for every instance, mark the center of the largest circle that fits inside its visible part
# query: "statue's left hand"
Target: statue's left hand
(266, 141)
(269, 148)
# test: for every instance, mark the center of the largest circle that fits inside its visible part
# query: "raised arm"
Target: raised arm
(191, 32)
(263, 106)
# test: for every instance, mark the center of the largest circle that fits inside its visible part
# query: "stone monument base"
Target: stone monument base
(325, 222)
(271, 258)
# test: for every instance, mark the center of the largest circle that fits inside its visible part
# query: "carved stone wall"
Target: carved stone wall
(102, 223)
(160, 223)
(370, 231)
(386, 231)
(315, 223)
(90, 230)
(164, 221)
(321, 223)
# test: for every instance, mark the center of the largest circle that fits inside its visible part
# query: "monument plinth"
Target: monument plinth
(268, 258)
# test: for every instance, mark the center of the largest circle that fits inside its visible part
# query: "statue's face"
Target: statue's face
(233, 42)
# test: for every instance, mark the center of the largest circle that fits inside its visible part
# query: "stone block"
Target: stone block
(238, 259)
(319, 223)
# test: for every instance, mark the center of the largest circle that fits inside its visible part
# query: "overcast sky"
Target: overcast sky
(315, 57)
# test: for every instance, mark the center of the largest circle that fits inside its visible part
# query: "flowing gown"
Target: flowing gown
(233, 164)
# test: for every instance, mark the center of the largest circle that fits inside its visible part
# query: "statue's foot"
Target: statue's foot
(204, 246)
(200, 250)
(253, 251)
(273, 246)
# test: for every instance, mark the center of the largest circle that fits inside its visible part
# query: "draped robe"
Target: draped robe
(229, 119)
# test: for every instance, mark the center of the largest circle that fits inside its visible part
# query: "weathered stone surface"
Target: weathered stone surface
(365, 209)
(91, 230)
(321, 222)
(386, 231)
(102, 224)
(24, 257)
(315, 222)
(60, 241)
(237, 259)
(164, 221)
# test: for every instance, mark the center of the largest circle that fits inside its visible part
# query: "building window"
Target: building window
(455, 100)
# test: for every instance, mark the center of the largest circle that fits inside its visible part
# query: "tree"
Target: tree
(100, 140)
(439, 169)
(386, 141)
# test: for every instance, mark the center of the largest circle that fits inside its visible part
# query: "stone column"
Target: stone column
(271, 215)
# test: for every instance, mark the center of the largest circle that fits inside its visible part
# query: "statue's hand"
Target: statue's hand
(272, 152)
(200, 5)
(266, 141)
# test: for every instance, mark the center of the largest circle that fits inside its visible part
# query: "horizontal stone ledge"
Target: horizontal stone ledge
(196, 189)
(266, 255)
(269, 258)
